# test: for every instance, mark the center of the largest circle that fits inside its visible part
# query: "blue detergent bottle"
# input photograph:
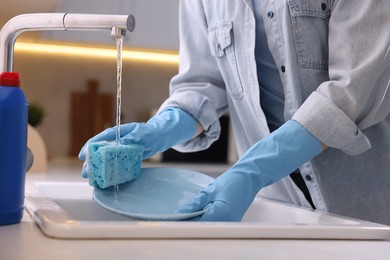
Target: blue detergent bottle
(13, 143)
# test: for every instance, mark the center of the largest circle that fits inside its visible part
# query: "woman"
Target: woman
(313, 73)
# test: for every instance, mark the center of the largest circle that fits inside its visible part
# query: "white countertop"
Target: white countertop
(26, 241)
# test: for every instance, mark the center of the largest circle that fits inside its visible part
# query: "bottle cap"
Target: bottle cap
(9, 79)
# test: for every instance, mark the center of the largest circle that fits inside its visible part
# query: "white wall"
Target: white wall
(156, 22)
(49, 80)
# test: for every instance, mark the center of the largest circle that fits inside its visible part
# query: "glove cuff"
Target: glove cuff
(278, 155)
(176, 125)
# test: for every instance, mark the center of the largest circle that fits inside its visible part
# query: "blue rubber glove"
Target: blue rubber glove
(229, 196)
(170, 127)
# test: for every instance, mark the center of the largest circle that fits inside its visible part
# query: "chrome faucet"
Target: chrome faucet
(116, 24)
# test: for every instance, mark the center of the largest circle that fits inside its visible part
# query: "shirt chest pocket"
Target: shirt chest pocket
(221, 42)
(310, 19)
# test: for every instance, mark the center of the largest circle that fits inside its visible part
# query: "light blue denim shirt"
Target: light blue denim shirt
(271, 87)
(335, 69)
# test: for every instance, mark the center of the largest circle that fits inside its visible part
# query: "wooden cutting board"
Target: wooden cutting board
(91, 112)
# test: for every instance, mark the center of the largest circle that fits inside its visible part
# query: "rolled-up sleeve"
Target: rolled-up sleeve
(357, 95)
(198, 88)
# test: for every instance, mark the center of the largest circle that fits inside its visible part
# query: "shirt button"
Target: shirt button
(283, 68)
(270, 14)
(323, 6)
(308, 177)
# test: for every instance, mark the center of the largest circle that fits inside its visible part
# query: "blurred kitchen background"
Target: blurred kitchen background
(77, 92)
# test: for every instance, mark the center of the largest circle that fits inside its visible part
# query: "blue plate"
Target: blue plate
(155, 195)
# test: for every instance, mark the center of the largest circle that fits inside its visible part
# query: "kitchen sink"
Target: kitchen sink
(67, 210)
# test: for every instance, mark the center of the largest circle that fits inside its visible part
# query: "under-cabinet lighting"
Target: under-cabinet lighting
(44, 48)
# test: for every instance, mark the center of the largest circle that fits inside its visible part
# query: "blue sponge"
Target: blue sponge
(101, 159)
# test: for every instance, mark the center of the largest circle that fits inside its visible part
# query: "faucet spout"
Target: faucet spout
(117, 32)
(56, 21)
